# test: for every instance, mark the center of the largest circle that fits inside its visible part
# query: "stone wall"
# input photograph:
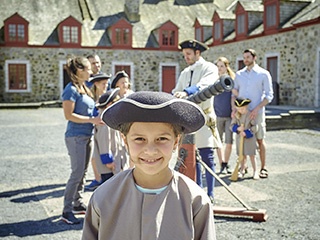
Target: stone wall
(297, 53)
(46, 72)
(296, 50)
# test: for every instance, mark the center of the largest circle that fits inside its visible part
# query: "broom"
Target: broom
(234, 176)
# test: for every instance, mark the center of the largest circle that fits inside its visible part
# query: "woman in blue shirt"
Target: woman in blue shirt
(78, 106)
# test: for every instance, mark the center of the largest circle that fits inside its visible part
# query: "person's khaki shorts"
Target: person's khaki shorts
(261, 121)
(223, 126)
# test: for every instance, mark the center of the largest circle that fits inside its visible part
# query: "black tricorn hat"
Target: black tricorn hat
(119, 75)
(193, 44)
(107, 97)
(99, 76)
(147, 106)
(240, 101)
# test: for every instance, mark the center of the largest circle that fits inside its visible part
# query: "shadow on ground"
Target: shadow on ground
(39, 227)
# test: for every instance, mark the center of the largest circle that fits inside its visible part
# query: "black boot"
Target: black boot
(223, 166)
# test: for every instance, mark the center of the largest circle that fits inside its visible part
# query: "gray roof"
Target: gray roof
(226, 14)
(312, 11)
(252, 6)
(44, 16)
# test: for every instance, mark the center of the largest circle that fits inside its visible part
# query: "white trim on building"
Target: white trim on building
(28, 76)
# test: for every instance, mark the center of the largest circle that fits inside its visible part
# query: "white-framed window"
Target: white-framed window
(162, 67)
(126, 66)
(17, 76)
(272, 64)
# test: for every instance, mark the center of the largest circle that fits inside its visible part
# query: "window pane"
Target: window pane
(198, 34)
(12, 32)
(240, 24)
(272, 65)
(217, 30)
(74, 34)
(12, 76)
(165, 40)
(66, 34)
(125, 36)
(17, 76)
(271, 15)
(22, 76)
(172, 38)
(20, 32)
(118, 36)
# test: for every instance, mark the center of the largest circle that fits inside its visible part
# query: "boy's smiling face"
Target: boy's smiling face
(150, 146)
(242, 110)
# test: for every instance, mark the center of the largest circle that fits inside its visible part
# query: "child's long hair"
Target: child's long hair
(227, 64)
(73, 65)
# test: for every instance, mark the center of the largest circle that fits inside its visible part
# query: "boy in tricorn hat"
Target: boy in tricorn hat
(248, 131)
(151, 201)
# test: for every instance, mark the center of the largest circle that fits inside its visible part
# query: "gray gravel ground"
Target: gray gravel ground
(35, 167)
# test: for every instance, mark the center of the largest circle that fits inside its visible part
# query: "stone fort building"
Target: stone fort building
(142, 36)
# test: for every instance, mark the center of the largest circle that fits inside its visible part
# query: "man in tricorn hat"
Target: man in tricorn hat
(198, 75)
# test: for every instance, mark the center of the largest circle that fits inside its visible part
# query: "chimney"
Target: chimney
(131, 9)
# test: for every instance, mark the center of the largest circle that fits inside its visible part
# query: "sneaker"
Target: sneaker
(79, 209)
(92, 186)
(212, 200)
(69, 218)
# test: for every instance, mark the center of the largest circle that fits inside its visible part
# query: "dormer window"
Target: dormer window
(198, 31)
(70, 33)
(121, 33)
(241, 21)
(16, 31)
(168, 35)
(271, 16)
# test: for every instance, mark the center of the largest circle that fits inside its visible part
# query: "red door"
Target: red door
(168, 78)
